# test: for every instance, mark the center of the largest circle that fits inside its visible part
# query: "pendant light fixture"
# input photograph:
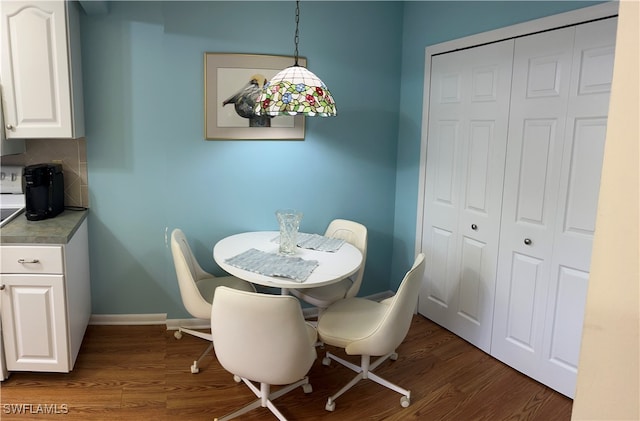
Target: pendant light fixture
(295, 90)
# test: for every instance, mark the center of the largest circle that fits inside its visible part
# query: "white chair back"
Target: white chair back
(395, 325)
(188, 272)
(261, 337)
(355, 234)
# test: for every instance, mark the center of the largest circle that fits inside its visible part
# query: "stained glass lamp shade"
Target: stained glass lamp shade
(295, 91)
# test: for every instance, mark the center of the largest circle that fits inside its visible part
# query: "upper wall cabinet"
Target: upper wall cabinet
(40, 69)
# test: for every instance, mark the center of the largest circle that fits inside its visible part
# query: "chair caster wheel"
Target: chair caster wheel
(326, 361)
(393, 356)
(404, 401)
(307, 388)
(194, 368)
(177, 334)
(237, 379)
(330, 406)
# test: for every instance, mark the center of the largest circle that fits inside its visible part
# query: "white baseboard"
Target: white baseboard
(173, 324)
(128, 319)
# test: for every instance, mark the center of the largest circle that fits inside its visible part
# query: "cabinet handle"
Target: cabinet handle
(474, 227)
(2, 287)
(28, 261)
(528, 241)
(10, 127)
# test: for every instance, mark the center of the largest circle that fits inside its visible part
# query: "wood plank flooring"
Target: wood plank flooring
(142, 373)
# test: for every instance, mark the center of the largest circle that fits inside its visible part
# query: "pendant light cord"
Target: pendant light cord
(296, 38)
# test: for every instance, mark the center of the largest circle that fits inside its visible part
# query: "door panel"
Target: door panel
(585, 166)
(522, 308)
(465, 161)
(444, 172)
(534, 181)
(544, 75)
(579, 185)
(442, 260)
(568, 312)
(470, 291)
(539, 98)
(481, 133)
(596, 63)
(550, 203)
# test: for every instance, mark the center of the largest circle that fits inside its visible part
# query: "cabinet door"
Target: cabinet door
(35, 69)
(467, 132)
(8, 146)
(34, 323)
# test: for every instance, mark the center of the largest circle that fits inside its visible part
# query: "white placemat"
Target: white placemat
(270, 264)
(317, 242)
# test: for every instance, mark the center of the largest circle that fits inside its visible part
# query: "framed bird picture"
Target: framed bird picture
(232, 83)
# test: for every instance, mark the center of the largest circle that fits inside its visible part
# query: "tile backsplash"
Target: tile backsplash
(71, 153)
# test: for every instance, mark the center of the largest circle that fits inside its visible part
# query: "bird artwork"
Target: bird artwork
(245, 100)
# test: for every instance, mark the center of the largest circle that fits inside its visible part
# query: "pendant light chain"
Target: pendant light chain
(296, 39)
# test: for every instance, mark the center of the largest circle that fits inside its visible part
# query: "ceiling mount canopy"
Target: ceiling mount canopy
(295, 90)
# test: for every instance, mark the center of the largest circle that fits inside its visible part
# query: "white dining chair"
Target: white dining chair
(369, 328)
(322, 297)
(197, 288)
(262, 338)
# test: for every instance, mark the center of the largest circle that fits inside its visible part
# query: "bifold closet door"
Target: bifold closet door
(557, 128)
(467, 134)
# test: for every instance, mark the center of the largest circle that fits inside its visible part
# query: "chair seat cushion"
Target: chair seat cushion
(325, 295)
(350, 320)
(207, 286)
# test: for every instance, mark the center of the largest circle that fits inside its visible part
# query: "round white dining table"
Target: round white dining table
(332, 266)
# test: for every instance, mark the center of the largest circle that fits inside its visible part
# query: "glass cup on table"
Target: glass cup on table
(289, 221)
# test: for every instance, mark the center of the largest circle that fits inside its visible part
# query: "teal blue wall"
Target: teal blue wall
(150, 170)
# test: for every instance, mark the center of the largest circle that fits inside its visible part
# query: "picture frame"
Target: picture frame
(225, 74)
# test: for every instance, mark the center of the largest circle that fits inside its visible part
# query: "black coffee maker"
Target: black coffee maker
(44, 191)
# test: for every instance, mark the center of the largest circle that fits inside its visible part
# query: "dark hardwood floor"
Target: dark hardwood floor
(142, 373)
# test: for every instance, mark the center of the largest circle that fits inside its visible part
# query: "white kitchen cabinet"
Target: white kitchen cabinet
(509, 211)
(8, 146)
(40, 69)
(46, 303)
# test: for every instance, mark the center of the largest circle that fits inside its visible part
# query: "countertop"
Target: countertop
(58, 230)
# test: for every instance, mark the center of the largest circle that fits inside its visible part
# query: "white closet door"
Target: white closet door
(540, 92)
(554, 154)
(577, 202)
(467, 132)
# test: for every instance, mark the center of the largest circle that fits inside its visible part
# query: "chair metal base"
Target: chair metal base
(195, 368)
(265, 397)
(364, 372)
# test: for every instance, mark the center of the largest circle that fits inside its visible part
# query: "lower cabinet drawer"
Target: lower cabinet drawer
(31, 259)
